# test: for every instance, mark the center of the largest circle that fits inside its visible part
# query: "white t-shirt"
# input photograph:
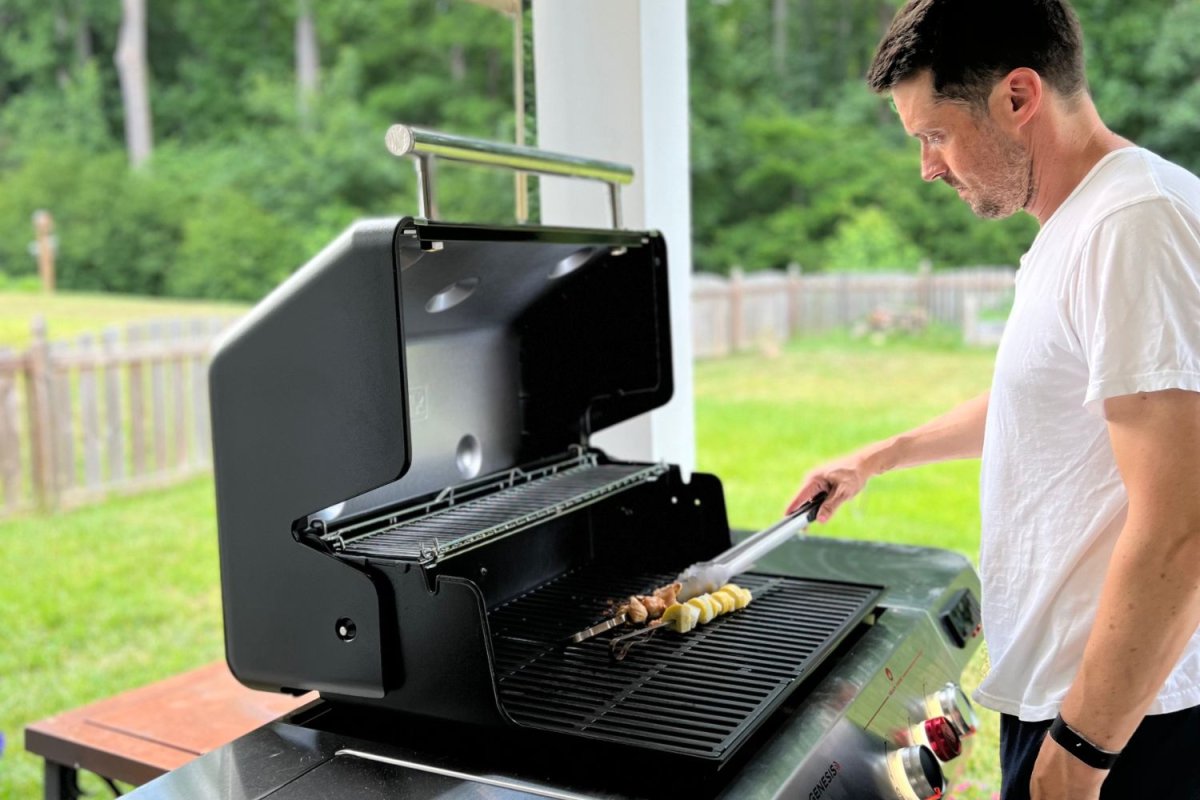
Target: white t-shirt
(1107, 304)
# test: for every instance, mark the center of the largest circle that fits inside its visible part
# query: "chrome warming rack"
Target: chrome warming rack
(466, 516)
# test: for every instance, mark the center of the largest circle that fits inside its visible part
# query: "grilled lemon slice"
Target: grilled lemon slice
(704, 605)
(681, 617)
(741, 596)
(726, 599)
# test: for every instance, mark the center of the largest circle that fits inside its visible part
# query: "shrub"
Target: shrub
(233, 249)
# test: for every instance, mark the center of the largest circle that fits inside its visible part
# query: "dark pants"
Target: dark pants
(1162, 760)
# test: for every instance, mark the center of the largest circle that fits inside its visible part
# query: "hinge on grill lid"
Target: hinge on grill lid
(315, 535)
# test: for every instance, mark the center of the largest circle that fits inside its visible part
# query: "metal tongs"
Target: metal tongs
(708, 576)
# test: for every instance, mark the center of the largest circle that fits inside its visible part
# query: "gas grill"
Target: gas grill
(413, 522)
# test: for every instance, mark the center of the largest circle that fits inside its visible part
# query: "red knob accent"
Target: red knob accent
(943, 739)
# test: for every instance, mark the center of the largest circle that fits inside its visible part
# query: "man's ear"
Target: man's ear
(1018, 96)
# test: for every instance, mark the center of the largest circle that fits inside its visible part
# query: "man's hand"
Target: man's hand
(1058, 775)
(841, 479)
(956, 434)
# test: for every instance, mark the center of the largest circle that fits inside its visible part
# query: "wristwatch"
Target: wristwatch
(1075, 744)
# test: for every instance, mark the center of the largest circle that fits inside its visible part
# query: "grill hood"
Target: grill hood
(406, 357)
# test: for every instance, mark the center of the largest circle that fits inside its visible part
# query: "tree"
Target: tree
(134, 73)
(308, 60)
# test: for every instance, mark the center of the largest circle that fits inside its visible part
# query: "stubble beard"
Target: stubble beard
(1007, 171)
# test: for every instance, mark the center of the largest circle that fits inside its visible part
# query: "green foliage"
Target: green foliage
(870, 239)
(72, 117)
(793, 160)
(116, 230)
(232, 248)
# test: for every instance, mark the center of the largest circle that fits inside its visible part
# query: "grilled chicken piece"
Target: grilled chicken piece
(639, 608)
(667, 593)
(635, 610)
(655, 606)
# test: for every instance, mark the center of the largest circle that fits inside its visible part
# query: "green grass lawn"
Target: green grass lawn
(111, 597)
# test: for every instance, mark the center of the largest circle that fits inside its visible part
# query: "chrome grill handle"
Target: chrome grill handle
(425, 145)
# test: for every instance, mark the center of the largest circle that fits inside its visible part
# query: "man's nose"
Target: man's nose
(932, 167)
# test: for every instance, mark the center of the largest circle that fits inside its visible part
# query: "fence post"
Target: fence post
(736, 309)
(10, 435)
(925, 287)
(844, 314)
(970, 318)
(45, 245)
(114, 431)
(41, 420)
(794, 271)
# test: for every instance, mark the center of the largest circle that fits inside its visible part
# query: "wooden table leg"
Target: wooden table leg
(61, 782)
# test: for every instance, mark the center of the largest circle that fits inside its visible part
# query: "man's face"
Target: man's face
(990, 170)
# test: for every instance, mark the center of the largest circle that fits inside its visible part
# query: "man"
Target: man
(1090, 434)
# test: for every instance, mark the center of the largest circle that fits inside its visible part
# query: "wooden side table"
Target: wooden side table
(138, 735)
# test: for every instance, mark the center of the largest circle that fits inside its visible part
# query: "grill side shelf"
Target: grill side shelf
(515, 502)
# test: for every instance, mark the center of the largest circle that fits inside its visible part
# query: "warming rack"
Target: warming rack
(465, 516)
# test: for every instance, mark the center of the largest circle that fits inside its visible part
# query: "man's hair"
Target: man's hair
(968, 45)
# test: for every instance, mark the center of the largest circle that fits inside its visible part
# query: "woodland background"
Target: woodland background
(256, 129)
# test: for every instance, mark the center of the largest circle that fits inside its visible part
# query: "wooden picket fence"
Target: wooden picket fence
(749, 310)
(128, 409)
(118, 412)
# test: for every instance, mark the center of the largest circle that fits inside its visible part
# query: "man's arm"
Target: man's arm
(1150, 604)
(956, 434)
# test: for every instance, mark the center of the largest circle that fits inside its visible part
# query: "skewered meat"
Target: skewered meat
(655, 606)
(642, 607)
(668, 593)
(635, 611)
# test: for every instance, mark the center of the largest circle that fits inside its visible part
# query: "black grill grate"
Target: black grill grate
(699, 694)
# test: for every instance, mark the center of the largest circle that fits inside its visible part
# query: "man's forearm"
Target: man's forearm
(956, 434)
(1149, 609)
(1150, 602)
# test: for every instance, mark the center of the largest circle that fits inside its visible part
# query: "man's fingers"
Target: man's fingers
(839, 495)
(810, 489)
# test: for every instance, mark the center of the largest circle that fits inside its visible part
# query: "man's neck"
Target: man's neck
(1066, 146)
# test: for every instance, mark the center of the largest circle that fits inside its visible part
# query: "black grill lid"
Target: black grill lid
(412, 356)
(519, 342)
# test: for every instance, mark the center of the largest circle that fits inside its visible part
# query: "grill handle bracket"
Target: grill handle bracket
(425, 145)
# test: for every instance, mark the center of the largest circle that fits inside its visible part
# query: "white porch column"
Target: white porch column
(612, 83)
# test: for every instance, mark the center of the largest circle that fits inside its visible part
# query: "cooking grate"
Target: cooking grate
(506, 509)
(700, 694)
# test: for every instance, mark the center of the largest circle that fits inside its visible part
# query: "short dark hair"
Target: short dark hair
(968, 45)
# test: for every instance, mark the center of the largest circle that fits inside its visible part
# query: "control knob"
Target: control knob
(916, 773)
(951, 702)
(943, 739)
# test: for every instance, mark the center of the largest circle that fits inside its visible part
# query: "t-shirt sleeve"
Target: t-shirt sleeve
(1136, 304)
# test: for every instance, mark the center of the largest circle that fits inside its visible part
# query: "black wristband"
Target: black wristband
(1080, 747)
